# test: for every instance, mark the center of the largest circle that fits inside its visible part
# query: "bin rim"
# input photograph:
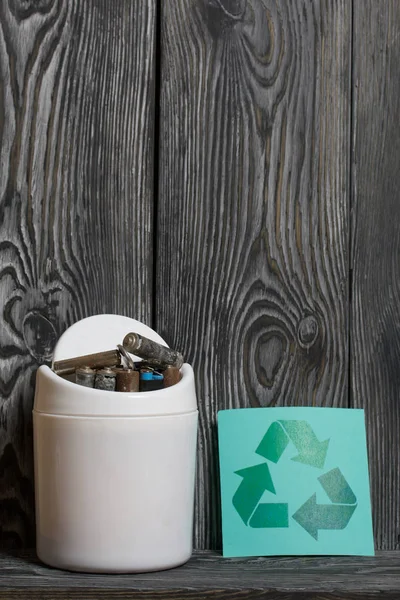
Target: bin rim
(57, 396)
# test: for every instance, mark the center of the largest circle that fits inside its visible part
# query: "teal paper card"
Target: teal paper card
(294, 481)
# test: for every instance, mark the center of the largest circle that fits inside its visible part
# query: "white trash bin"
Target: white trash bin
(114, 472)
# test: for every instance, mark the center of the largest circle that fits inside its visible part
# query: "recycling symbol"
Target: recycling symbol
(257, 479)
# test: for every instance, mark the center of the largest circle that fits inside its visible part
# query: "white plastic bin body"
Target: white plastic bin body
(114, 475)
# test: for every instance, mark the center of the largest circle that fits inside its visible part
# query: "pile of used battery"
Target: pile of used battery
(115, 370)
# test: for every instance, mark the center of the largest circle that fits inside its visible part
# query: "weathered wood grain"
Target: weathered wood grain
(375, 331)
(252, 262)
(208, 575)
(76, 143)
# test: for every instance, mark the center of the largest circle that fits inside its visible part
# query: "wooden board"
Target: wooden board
(208, 575)
(375, 339)
(76, 143)
(252, 261)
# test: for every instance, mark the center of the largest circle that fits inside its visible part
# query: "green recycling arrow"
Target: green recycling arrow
(310, 450)
(312, 516)
(256, 480)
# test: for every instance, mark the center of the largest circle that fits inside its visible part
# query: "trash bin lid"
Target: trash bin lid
(99, 333)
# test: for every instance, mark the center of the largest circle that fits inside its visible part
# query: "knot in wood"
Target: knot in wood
(23, 9)
(232, 8)
(221, 16)
(40, 335)
(308, 331)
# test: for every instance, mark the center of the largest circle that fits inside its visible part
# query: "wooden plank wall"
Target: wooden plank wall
(253, 210)
(261, 137)
(76, 143)
(375, 331)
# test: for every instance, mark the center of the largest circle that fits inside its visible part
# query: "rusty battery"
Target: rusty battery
(110, 358)
(127, 380)
(153, 353)
(172, 375)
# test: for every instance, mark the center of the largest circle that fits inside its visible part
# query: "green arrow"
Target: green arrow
(270, 515)
(274, 442)
(311, 450)
(337, 488)
(312, 516)
(256, 480)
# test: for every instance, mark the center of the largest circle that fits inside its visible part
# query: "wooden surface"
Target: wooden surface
(76, 144)
(375, 340)
(254, 184)
(208, 575)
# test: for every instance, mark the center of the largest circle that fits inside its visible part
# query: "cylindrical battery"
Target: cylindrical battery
(153, 353)
(105, 380)
(150, 381)
(85, 376)
(69, 377)
(127, 380)
(172, 375)
(110, 358)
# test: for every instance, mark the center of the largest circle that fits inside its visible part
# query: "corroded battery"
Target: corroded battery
(105, 379)
(110, 358)
(153, 353)
(172, 375)
(127, 380)
(85, 376)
